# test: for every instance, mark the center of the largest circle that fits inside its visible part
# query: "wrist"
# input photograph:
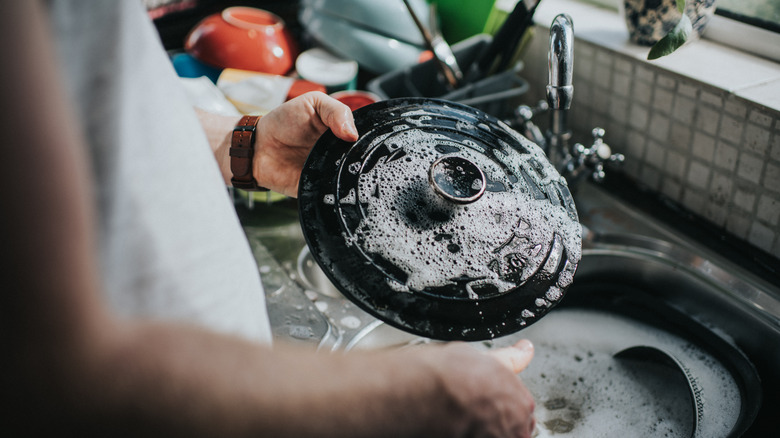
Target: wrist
(242, 154)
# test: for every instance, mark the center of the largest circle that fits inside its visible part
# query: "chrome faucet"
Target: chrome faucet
(572, 162)
(560, 91)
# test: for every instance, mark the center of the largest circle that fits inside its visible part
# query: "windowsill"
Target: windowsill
(747, 76)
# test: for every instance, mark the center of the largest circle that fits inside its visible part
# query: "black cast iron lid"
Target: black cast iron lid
(440, 220)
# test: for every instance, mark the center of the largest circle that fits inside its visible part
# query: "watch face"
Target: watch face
(440, 220)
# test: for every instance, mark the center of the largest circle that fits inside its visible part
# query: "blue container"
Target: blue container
(187, 66)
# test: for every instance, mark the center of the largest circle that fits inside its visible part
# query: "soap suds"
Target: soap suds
(502, 239)
(577, 382)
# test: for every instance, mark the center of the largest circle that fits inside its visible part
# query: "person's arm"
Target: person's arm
(284, 138)
(71, 367)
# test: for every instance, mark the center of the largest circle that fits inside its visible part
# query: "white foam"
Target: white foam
(484, 238)
(350, 321)
(578, 384)
(462, 125)
(349, 199)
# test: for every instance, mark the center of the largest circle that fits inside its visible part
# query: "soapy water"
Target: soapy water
(582, 390)
(500, 240)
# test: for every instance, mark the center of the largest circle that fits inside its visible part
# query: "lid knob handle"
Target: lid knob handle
(457, 179)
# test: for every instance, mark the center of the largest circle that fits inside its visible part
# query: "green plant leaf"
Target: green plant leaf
(681, 6)
(673, 40)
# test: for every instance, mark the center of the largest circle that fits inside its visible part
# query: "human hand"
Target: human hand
(485, 391)
(515, 358)
(286, 135)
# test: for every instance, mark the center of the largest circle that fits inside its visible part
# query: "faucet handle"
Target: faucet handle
(596, 155)
(526, 112)
(522, 121)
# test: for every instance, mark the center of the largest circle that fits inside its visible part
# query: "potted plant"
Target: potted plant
(666, 24)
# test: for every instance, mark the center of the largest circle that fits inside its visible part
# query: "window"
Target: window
(751, 26)
(762, 13)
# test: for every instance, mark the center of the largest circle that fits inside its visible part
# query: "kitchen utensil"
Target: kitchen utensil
(243, 38)
(699, 396)
(440, 220)
(388, 17)
(497, 56)
(646, 353)
(380, 36)
(463, 19)
(496, 95)
(442, 53)
(634, 286)
(599, 372)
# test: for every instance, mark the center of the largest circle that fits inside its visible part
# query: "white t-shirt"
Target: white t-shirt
(171, 245)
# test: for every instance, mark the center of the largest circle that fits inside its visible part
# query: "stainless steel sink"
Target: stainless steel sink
(632, 266)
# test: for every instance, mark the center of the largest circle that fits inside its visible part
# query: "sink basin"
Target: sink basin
(633, 273)
(637, 287)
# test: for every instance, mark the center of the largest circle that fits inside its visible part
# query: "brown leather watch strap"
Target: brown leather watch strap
(242, 150)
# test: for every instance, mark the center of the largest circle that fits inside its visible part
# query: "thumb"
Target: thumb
(517, 357)
(335, 115)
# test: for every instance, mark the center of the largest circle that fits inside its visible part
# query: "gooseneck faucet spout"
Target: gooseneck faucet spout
(560, 91)
(561, 63)
(577, 161)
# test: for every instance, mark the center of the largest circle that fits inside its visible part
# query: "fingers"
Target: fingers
(517, 357)
(335, 115)
(494, 402)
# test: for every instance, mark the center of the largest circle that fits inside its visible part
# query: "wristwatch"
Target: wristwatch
(242, 150)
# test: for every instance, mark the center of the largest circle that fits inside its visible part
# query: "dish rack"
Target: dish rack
(496, 95)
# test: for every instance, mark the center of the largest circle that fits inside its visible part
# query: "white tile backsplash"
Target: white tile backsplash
(731, 128)
(680, 135)
(704, 146)
(663, 98)
(772, 177)
(638, 116)
(699, 175)
(768, 210)
(725, 156)
(683, 109)
(762, 236)
(757, 138)
(720, 188)
(744, 199)
(707, 118)
(676, 165)
(750, 167)
(711, 99)
(735, 108)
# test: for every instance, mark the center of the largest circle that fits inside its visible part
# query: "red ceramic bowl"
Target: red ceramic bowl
(302, 86)
(243, 38)
(355, 99)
